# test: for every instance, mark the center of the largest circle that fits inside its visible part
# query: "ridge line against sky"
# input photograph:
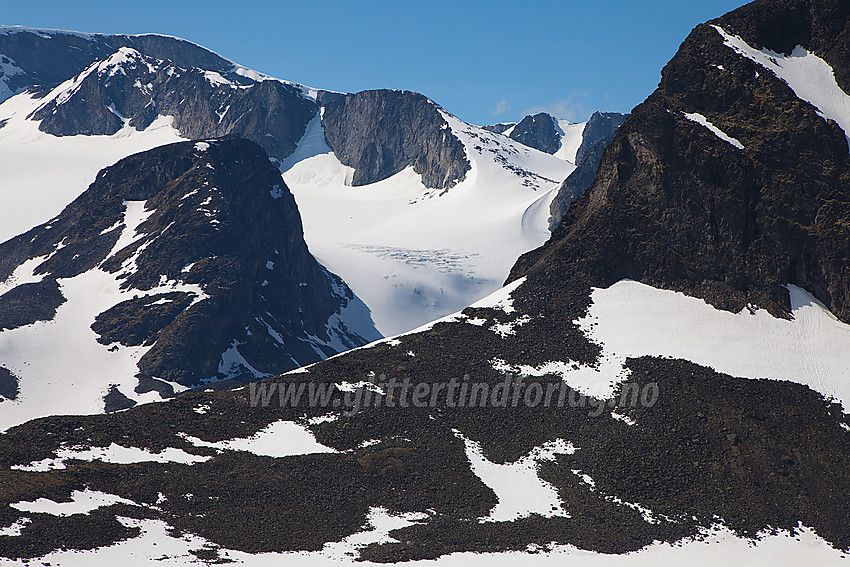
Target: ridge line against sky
(485, 62)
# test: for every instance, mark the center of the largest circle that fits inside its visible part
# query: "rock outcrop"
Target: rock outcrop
(539, 131)
(379, 133)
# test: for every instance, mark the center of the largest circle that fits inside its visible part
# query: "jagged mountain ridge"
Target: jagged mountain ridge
(133, 89)
(380, 134)
(749, 453)
(32, 59)
(199, 271)
(132, 99)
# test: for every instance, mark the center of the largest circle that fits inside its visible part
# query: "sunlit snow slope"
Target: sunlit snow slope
(414, 254)
(41, 173)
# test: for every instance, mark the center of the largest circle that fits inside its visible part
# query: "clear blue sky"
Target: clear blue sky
(486, 62)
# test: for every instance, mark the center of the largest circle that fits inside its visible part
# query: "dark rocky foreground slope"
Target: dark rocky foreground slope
(217, 264)
(672, 205)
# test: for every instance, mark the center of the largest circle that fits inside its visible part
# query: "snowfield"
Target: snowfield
(40, 173)
(631, 319)
(279, 439)
(571, 138)
(414, 254)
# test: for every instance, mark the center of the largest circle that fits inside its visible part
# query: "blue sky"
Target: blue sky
(486, 62)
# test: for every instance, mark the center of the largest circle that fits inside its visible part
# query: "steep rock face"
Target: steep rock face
(730, 217)
(134, 89)
(539, 131)
(381, 132)
(204, 243)
(597, 134)
(599, 129)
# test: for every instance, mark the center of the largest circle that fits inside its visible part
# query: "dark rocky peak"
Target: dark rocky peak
(500, 128)
(539, 131)
(724, 184)
(600, 128)
(205, 243)
(131, 89)
(780, 25)
(597, 134)
(381, 132)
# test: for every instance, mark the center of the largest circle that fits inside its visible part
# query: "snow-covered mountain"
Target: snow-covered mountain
(437, 209)
(83, 101)
(178, 267)
(415, 239)
(663, 381)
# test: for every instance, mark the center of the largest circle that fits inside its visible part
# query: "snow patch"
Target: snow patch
(279, 439)
(113, 454)
(82, 502)
(631, 319)
(381, 522)
(233, 364)
(702, 120)
(16, 528)
(520, 490)
(500, 299)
